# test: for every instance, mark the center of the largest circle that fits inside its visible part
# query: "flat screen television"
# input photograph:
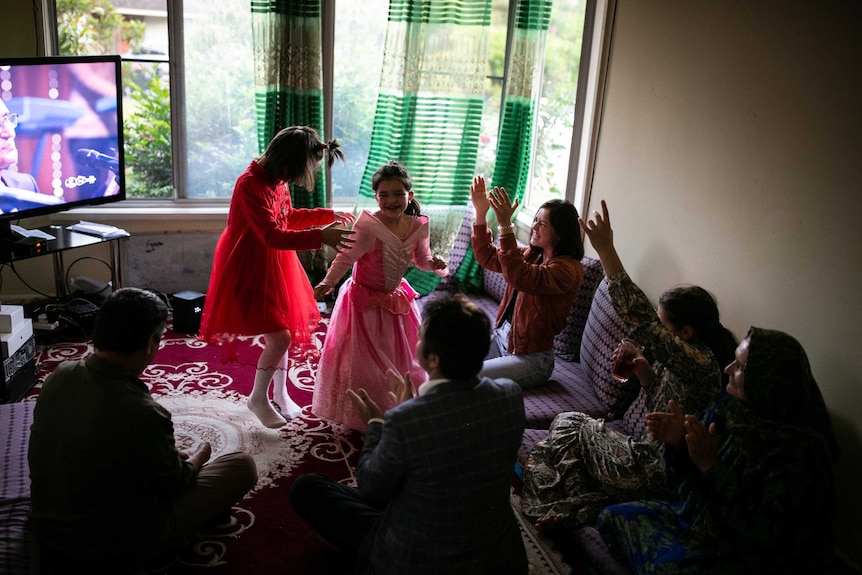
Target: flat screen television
(61, 138)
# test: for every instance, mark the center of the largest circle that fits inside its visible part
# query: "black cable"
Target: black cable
(12, 267)
(69, 269)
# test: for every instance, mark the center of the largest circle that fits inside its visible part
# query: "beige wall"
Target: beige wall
(729, 155)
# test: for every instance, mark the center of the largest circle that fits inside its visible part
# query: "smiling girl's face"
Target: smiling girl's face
(392, 198)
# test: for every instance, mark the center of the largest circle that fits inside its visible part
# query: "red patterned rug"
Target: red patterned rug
(207, 400)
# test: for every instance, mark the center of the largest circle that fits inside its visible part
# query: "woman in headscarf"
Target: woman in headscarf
(757, 491)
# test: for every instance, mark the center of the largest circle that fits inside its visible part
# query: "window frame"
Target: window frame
(592, 75)
(598, 27)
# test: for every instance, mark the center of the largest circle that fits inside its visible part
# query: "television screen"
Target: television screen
(61, 138)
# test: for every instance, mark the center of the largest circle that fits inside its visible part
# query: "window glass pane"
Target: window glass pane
(221, 130)
(556, 107)
(493, 88)
(360, 30)
(139, 34)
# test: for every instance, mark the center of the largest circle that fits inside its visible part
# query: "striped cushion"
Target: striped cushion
(15, 537)
(602, 334)
(567, 343)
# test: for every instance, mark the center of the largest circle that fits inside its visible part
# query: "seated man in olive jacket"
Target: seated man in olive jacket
(110, 490)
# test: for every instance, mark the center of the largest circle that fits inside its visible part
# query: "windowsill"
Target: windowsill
(149, 216)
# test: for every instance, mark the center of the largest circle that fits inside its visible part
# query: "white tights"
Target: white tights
(272, 368)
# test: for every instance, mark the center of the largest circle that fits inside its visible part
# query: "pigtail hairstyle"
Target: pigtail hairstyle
(294, 155)
(333, 152)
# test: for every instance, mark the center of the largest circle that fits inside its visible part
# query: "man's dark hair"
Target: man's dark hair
(458, 332)
(128, 319)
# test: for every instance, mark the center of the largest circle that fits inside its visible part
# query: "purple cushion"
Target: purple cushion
(15, 539)
(15, 421)
(495, 284)
(602, 334)
(567, 390)
(567, 343)
(634, 420)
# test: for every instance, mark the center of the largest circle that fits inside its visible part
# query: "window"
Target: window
(190, 116)
(186, 136)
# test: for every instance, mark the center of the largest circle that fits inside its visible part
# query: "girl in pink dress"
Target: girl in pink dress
(375, 322)
(257, 285)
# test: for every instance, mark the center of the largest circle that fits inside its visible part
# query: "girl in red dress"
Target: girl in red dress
(257, 285)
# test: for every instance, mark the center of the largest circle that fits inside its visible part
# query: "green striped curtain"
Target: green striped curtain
(520, 98)
(288, 73)
(429, 108)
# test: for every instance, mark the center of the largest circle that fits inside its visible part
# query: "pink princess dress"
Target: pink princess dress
(375, 322)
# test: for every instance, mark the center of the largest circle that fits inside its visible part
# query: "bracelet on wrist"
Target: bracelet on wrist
(504, 230)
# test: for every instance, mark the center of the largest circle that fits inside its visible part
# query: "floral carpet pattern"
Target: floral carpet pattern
(207, 400)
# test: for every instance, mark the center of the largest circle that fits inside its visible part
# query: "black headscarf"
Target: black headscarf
(780, 388)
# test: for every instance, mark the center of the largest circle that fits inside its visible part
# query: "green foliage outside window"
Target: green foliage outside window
(93, 27)
(147, 132)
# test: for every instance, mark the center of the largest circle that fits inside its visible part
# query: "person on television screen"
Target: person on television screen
(18, 190)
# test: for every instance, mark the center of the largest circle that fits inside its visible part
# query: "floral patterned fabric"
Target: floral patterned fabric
(584, 465)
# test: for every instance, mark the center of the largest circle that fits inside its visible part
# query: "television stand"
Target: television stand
(63, 240)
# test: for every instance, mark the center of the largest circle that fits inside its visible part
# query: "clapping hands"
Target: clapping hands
(402, 390)
(668, 427)
(498, 200)
(673, 428)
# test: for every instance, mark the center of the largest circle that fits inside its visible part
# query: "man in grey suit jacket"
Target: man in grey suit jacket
(434, 475)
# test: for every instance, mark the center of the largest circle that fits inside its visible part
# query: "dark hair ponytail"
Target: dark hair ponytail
(413, 208)
(333, 152)
(694, 306)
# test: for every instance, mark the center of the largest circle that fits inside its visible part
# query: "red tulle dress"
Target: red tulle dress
(257, 284)
(375, 322)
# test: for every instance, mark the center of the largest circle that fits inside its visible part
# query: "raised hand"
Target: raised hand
(479, 197)
(668, 427)
(599, 230)
(503, 207)
(601, 236)
(337, 238)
